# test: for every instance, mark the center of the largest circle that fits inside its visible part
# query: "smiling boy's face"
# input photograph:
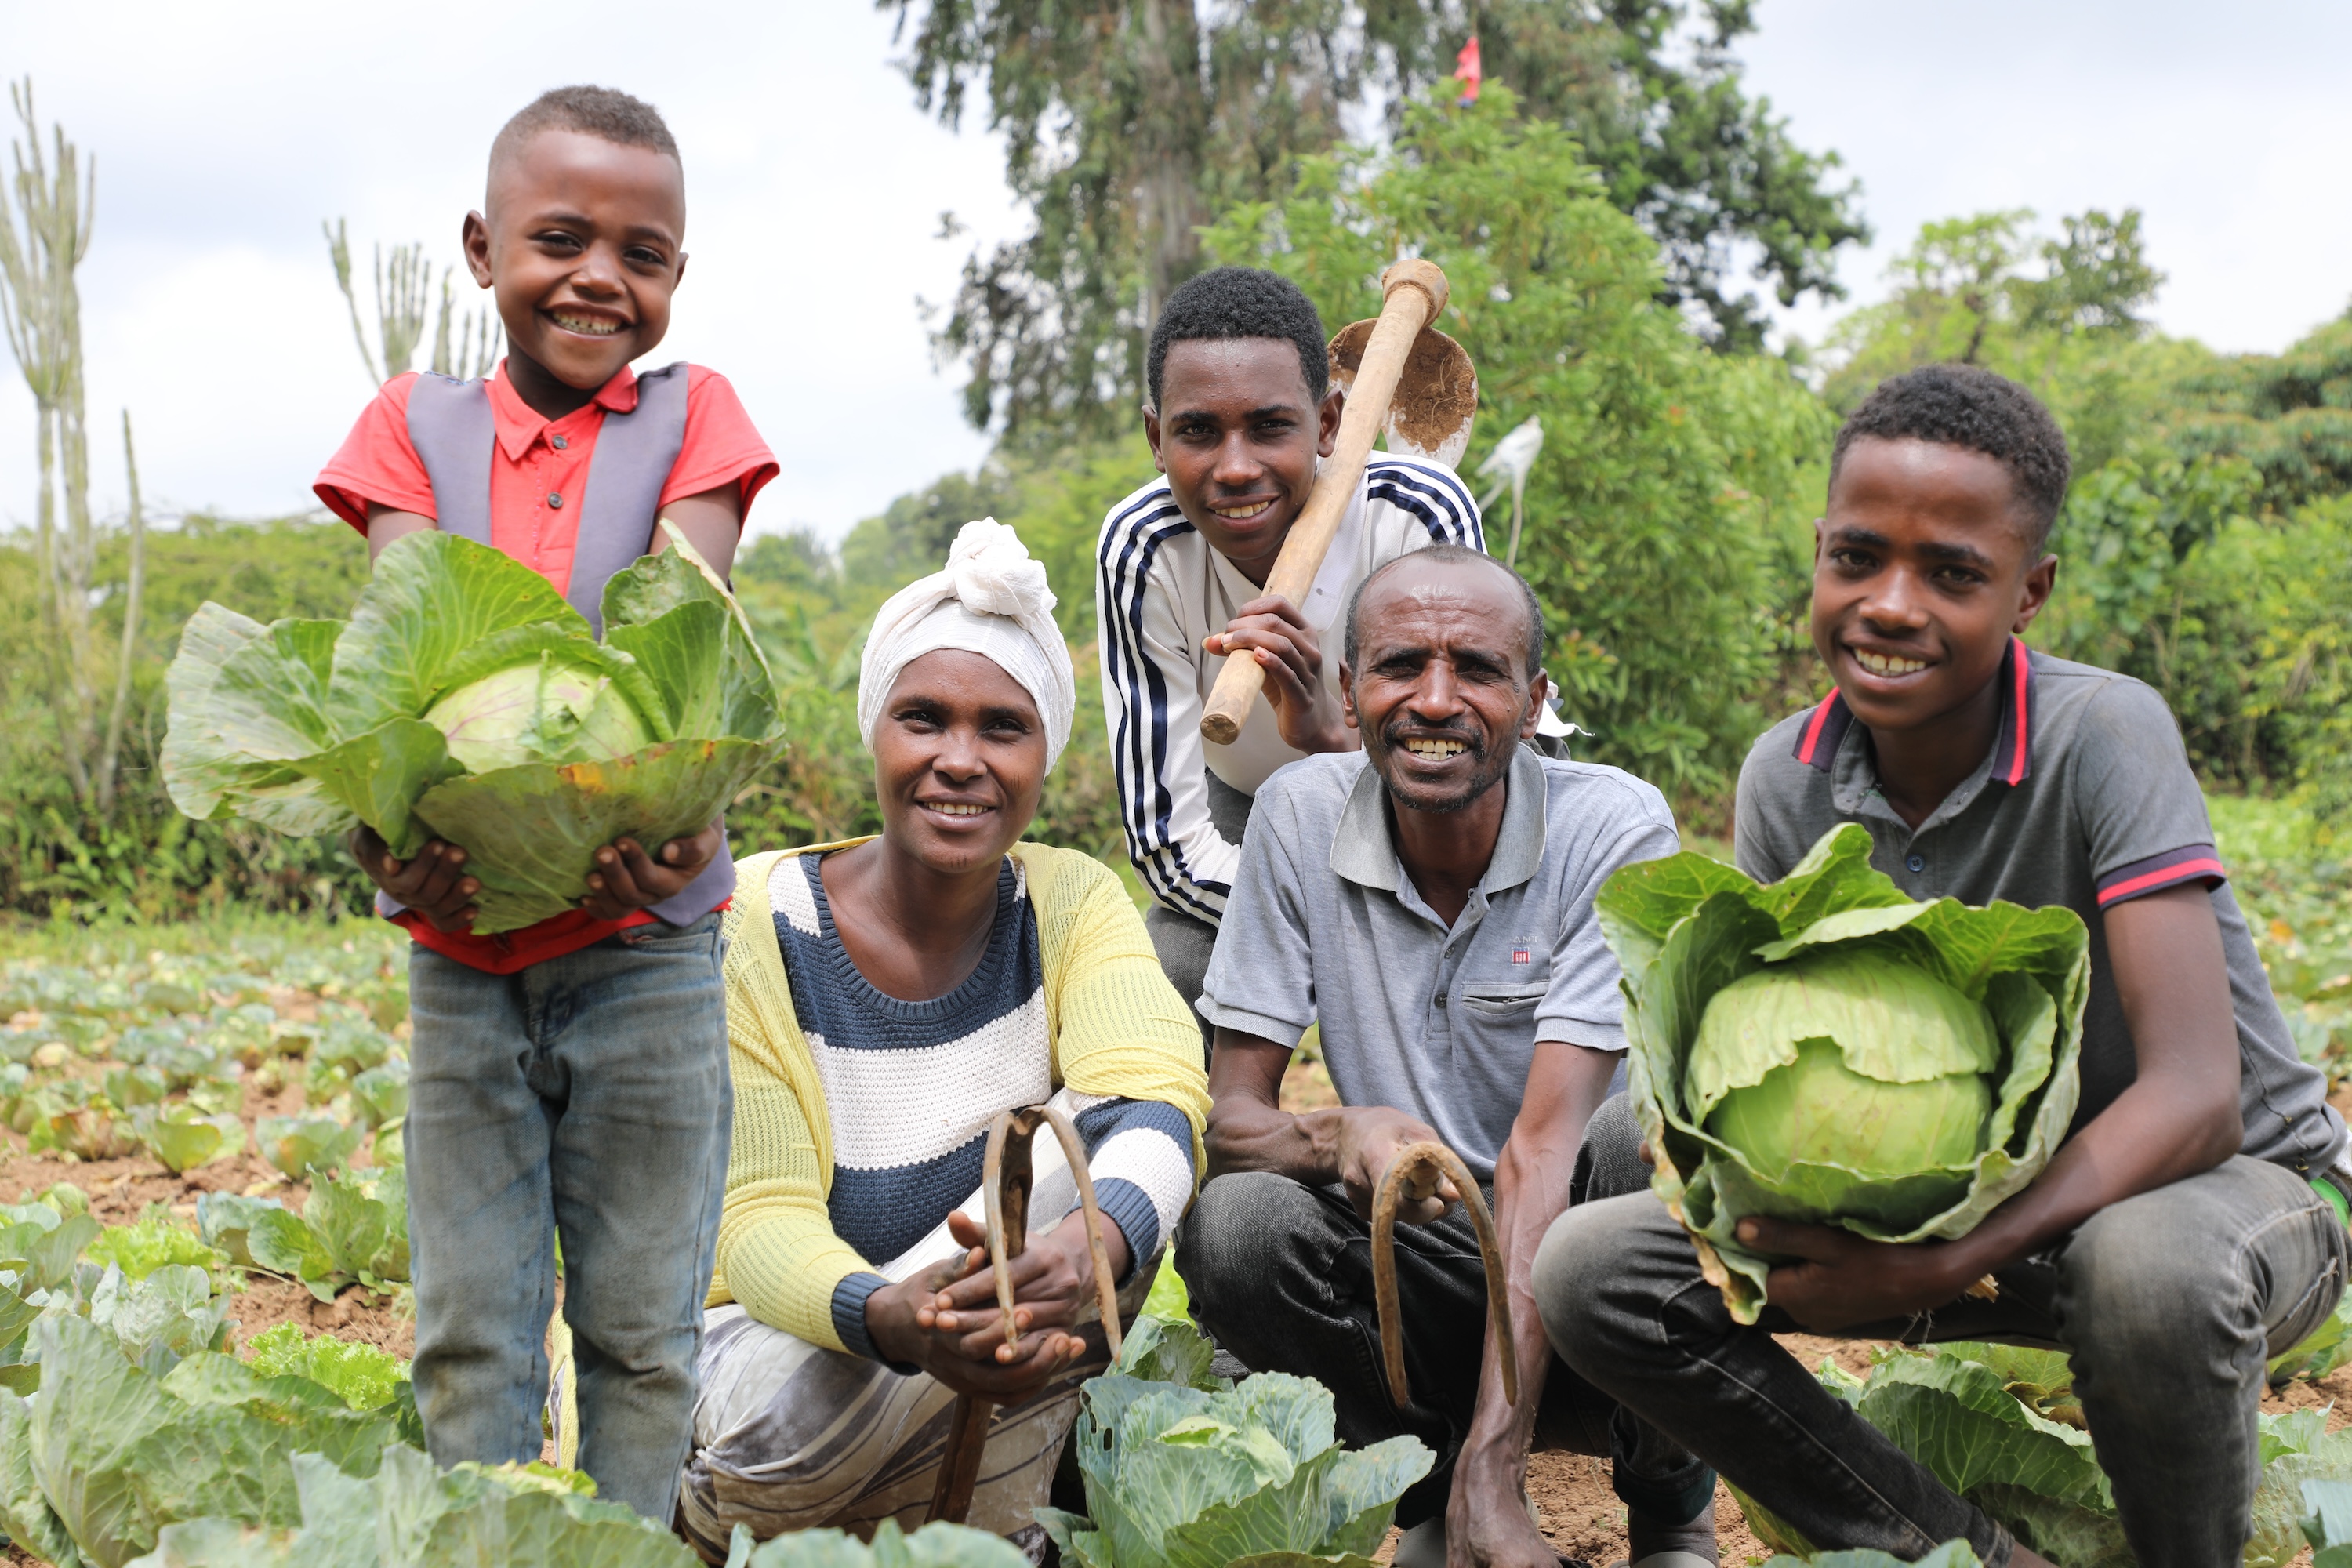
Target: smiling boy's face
(1237, 434)
(582, 239)
(1922, 567)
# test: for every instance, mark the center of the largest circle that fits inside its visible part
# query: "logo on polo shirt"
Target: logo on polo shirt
(1518, 955)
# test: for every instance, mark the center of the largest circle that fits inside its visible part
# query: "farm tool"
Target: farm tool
(1416, 1169)
(1402, 376)
(1004, 1182)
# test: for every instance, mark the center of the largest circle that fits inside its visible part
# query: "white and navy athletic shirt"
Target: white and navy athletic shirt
(1159, 590)
(910, 1089)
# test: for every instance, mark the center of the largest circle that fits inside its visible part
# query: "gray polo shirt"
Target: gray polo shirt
(1323, 923)
(2086, 800)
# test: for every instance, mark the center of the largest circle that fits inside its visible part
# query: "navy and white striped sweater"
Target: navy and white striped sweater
(912, 1087)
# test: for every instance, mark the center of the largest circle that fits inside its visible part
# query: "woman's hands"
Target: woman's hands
(946, 1319)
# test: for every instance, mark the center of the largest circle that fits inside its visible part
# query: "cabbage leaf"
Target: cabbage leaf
(464, 699)
(1687, 927)
(1201, 1474)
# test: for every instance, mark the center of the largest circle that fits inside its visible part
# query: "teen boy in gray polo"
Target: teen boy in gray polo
(1429, 901)
(2183, 1233)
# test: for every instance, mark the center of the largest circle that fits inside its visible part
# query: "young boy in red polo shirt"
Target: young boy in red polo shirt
(570, 1077)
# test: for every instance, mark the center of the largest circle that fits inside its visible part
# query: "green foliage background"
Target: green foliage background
(2207, 546)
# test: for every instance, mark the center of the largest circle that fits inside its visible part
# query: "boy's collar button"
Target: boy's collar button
(1917, 863)
(555, 500)
(558, 442)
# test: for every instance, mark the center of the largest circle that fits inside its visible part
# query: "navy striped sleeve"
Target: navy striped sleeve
(1139, 1153)
(1435, 496)
(1147, 709)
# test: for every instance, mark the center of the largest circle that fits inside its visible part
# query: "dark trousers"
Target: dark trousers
(1281, 1274)
(2168, 1303)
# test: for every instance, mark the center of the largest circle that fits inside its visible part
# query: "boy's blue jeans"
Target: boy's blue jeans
(585, 1096)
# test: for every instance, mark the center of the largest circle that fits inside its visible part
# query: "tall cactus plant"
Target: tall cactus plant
(46, 213)
(403, 285)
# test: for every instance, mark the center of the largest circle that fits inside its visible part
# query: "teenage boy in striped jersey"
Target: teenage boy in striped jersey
(1242, 410)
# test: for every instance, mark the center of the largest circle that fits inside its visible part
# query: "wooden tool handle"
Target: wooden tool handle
(1414, 293)
(1417, 1166)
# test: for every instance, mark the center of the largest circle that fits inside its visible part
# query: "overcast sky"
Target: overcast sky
(225, 132)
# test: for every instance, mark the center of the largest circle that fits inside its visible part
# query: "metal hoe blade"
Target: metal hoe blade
(1421, 1165)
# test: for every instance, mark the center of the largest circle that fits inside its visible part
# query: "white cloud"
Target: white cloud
(2226, 126)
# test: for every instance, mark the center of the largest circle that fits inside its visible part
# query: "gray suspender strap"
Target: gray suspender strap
(620, 501)
(451, 426)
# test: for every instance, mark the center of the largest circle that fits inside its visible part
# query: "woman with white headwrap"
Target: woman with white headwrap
(886, 998)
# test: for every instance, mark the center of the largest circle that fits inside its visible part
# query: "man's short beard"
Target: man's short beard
(1487, 771)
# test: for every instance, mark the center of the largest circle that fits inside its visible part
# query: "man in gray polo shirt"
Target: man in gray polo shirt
(1429, 901)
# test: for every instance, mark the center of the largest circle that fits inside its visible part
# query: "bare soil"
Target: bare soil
(120, 1191)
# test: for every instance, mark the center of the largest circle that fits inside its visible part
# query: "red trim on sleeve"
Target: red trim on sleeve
(721, 446)
(2190, 863)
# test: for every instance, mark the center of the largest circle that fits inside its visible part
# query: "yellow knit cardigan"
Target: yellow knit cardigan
(1117, 1028)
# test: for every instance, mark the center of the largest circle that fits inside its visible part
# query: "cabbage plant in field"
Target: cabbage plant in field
(1185, 1470)
(464, 699)
(1999, 1425)
(1825, 1049)
(405, 1512)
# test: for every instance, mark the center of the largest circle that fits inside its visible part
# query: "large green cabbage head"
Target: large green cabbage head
(1825, 1049)
(464, 699)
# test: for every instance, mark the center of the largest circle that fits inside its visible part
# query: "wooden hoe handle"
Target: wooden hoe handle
(1422, 1164)
(1004, 1182)
(1413, 294)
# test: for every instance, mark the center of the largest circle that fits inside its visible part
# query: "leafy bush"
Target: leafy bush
(1184, 1467)
(1694, 934)
(106, 1454)
(142, 1248)
(366, 1377)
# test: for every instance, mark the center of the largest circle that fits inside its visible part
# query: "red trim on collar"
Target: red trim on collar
(1818, 742)
(1817, 745)
(2019, 720)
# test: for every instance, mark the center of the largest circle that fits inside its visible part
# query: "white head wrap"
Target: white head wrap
(991, 600)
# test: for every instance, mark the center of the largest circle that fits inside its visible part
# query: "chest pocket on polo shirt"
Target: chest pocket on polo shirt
(1503, 1001)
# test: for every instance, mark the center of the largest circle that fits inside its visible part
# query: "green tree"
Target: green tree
(1130, 124)
(2289, 414)
(1662, 512)
(2066, 316)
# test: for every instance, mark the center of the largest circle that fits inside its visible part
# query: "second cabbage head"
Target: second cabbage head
(1823, 1048)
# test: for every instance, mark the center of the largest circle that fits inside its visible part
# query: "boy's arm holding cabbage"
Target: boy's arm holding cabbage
(2180, 1117)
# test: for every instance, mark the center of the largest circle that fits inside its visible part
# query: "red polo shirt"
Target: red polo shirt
(538, 460)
